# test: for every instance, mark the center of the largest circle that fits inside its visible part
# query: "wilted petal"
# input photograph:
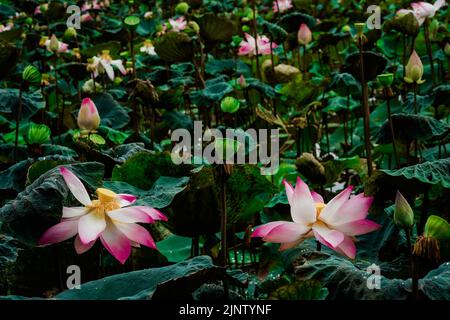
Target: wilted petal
(286, 232)
(90, 226)
(136, 233)
(59, 232)
(75, 186)
(116, 243)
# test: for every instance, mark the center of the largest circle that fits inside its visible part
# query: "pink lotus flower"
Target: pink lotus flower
(334, 224)
(242, 82)
(105, 63)
(88, 118)
(283, 5)
(86, 17)
(93, 5)
(6, 28)
(423, 10)
(56, 46)
(249, 47)
(304, 35)
(39, 8)
(178, 24)
(110, 218)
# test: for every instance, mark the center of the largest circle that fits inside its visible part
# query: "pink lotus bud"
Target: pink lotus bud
(54, 44)
(242, 82)
(88, 117)
(414, 69)
(304, 35)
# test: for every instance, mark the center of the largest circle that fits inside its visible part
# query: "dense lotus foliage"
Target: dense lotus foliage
(237, 149)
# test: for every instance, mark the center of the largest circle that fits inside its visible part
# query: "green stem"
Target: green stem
(391, 126)
(366, 110)
(255, 33)
(429, 49)
(18, 116)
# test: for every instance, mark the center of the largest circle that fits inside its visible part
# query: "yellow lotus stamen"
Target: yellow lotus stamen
(319, 208)
(105, 195)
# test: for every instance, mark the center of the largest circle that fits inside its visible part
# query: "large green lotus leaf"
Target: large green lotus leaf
(14, 177)
(374, 64)
(275, 32)
(409, 127)
(217, 91)
(300, 290)
(175, 47)
(292, 21)
(217, 66)
(39, 206)
(216, 29)
(114, 48)
(112, 114)
(9, 55)
(344, 84)
(261, 87)
(406, 24)
(143, 169)
(159, 196)
(177, 120)
(54, 149)
(430, 172)
(442, 94)
(175, 248)
(345, 281)
(11, 35)
(423, 102)
(115, 136)
(40, 167)
(123, 152)
(176, 281)
(31, 102)
(8, 254)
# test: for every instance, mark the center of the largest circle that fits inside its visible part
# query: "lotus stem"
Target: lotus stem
(223, 227)
(133, 58)
(255, 31)
(391, 126)
(366, 110)
(429, 50)
(18, 116)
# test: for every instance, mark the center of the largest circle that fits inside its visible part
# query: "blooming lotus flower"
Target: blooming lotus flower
(148, 48)
(86, 17)
(282, 5)
(93, 5)
(88, 118)
(110, 218)
(178, 24)
(56, 46)
(105, 63)
(304, 35)
(423, 10)
(334, 224)
(248, 47)
(6, 28)
(414, 69)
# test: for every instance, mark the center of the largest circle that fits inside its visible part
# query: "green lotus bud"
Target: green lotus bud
(159, 28)
(182, 8)
(194, 26)
(38, 134)
(245, 28)
(437, 227)
(447, 49)
(70, 33)
(132, 22)
(230, 104)
(29, 21)
(385, 79)
(403, 214)
(414, 69)
(32, 75)
(360, 28)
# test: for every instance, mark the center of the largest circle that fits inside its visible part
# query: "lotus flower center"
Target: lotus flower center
(319, 208)
(106, 201)
(106, 56)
